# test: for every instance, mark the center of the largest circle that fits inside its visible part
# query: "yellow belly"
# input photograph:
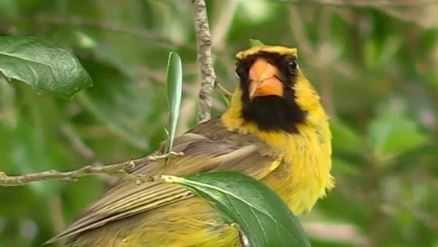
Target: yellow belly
(188, 223)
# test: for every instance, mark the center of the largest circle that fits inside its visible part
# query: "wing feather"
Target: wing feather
(207, 148)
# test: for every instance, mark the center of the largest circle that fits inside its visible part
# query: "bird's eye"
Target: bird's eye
(240, 71)
(293, 65)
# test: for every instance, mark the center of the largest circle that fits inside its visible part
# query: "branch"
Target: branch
(345, 233)
(321, 59)
(204, 44)
(222, 26)
(77, 143)
(367, 3)
(116, 169)
(55, 206)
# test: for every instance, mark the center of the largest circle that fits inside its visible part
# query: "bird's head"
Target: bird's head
(273, 95)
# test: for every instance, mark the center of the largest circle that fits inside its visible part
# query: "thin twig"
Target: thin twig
(116, 169)
(223, 90)
(77, 143)
(57, 217)
(299, 34)
(366, 3)
(345, 233)
(318, 60)
(205, 60)
(126, 135)
(223, 23)
(325, 53)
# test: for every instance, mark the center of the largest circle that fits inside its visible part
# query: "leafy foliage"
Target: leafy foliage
(42, 66)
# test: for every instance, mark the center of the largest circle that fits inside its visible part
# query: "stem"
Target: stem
(204, 44)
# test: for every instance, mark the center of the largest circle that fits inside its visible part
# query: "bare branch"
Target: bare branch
(223, 90)
(367, 3)
(77, 143)
(223, 23)
(346, 233)
(117, 169)
(114, 169)
(205, 60)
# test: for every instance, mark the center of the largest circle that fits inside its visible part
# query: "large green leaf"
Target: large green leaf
(262, 216)
(174, 94)
(42, 66)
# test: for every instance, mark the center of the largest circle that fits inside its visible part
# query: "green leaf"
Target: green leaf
(130, 109)
(260, 213)
(344, 167)
(392, 133)
(255, 43)
(42, 66)
(345, 138)
(174, 94)
(8, 8)
(104, 114)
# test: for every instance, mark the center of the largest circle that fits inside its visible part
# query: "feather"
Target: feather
(208, 147)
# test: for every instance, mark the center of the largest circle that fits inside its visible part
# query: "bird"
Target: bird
(275, 129)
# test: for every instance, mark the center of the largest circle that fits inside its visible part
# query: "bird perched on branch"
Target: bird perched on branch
(275, 130)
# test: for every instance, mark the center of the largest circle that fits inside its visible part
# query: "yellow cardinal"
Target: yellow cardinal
(275, 130)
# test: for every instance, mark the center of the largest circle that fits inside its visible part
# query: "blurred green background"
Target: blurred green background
(374, 62)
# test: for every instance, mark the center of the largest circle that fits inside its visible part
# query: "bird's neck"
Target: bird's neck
(315, 127)
(307, 153)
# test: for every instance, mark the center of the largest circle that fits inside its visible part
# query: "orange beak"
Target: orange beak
(264, 80)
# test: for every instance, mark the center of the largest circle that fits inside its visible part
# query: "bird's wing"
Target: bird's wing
(208, 147)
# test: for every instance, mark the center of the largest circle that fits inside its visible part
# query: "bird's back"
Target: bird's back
(158, 214)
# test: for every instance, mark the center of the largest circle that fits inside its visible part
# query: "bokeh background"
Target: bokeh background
(374, 62)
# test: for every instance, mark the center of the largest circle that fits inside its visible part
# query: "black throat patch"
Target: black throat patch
(273, 113)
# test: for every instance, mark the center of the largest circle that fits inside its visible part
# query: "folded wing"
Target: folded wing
(208, 147)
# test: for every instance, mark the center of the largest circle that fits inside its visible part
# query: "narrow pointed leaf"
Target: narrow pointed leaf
(262, 216)
(42, 66)
(255, 42)
(174, 94)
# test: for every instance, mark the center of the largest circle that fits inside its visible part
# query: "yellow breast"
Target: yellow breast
(304, 174)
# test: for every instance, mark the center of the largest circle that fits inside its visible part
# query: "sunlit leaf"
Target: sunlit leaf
(174, 94)
(261, 215)
(256, 10)
(42, 66)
